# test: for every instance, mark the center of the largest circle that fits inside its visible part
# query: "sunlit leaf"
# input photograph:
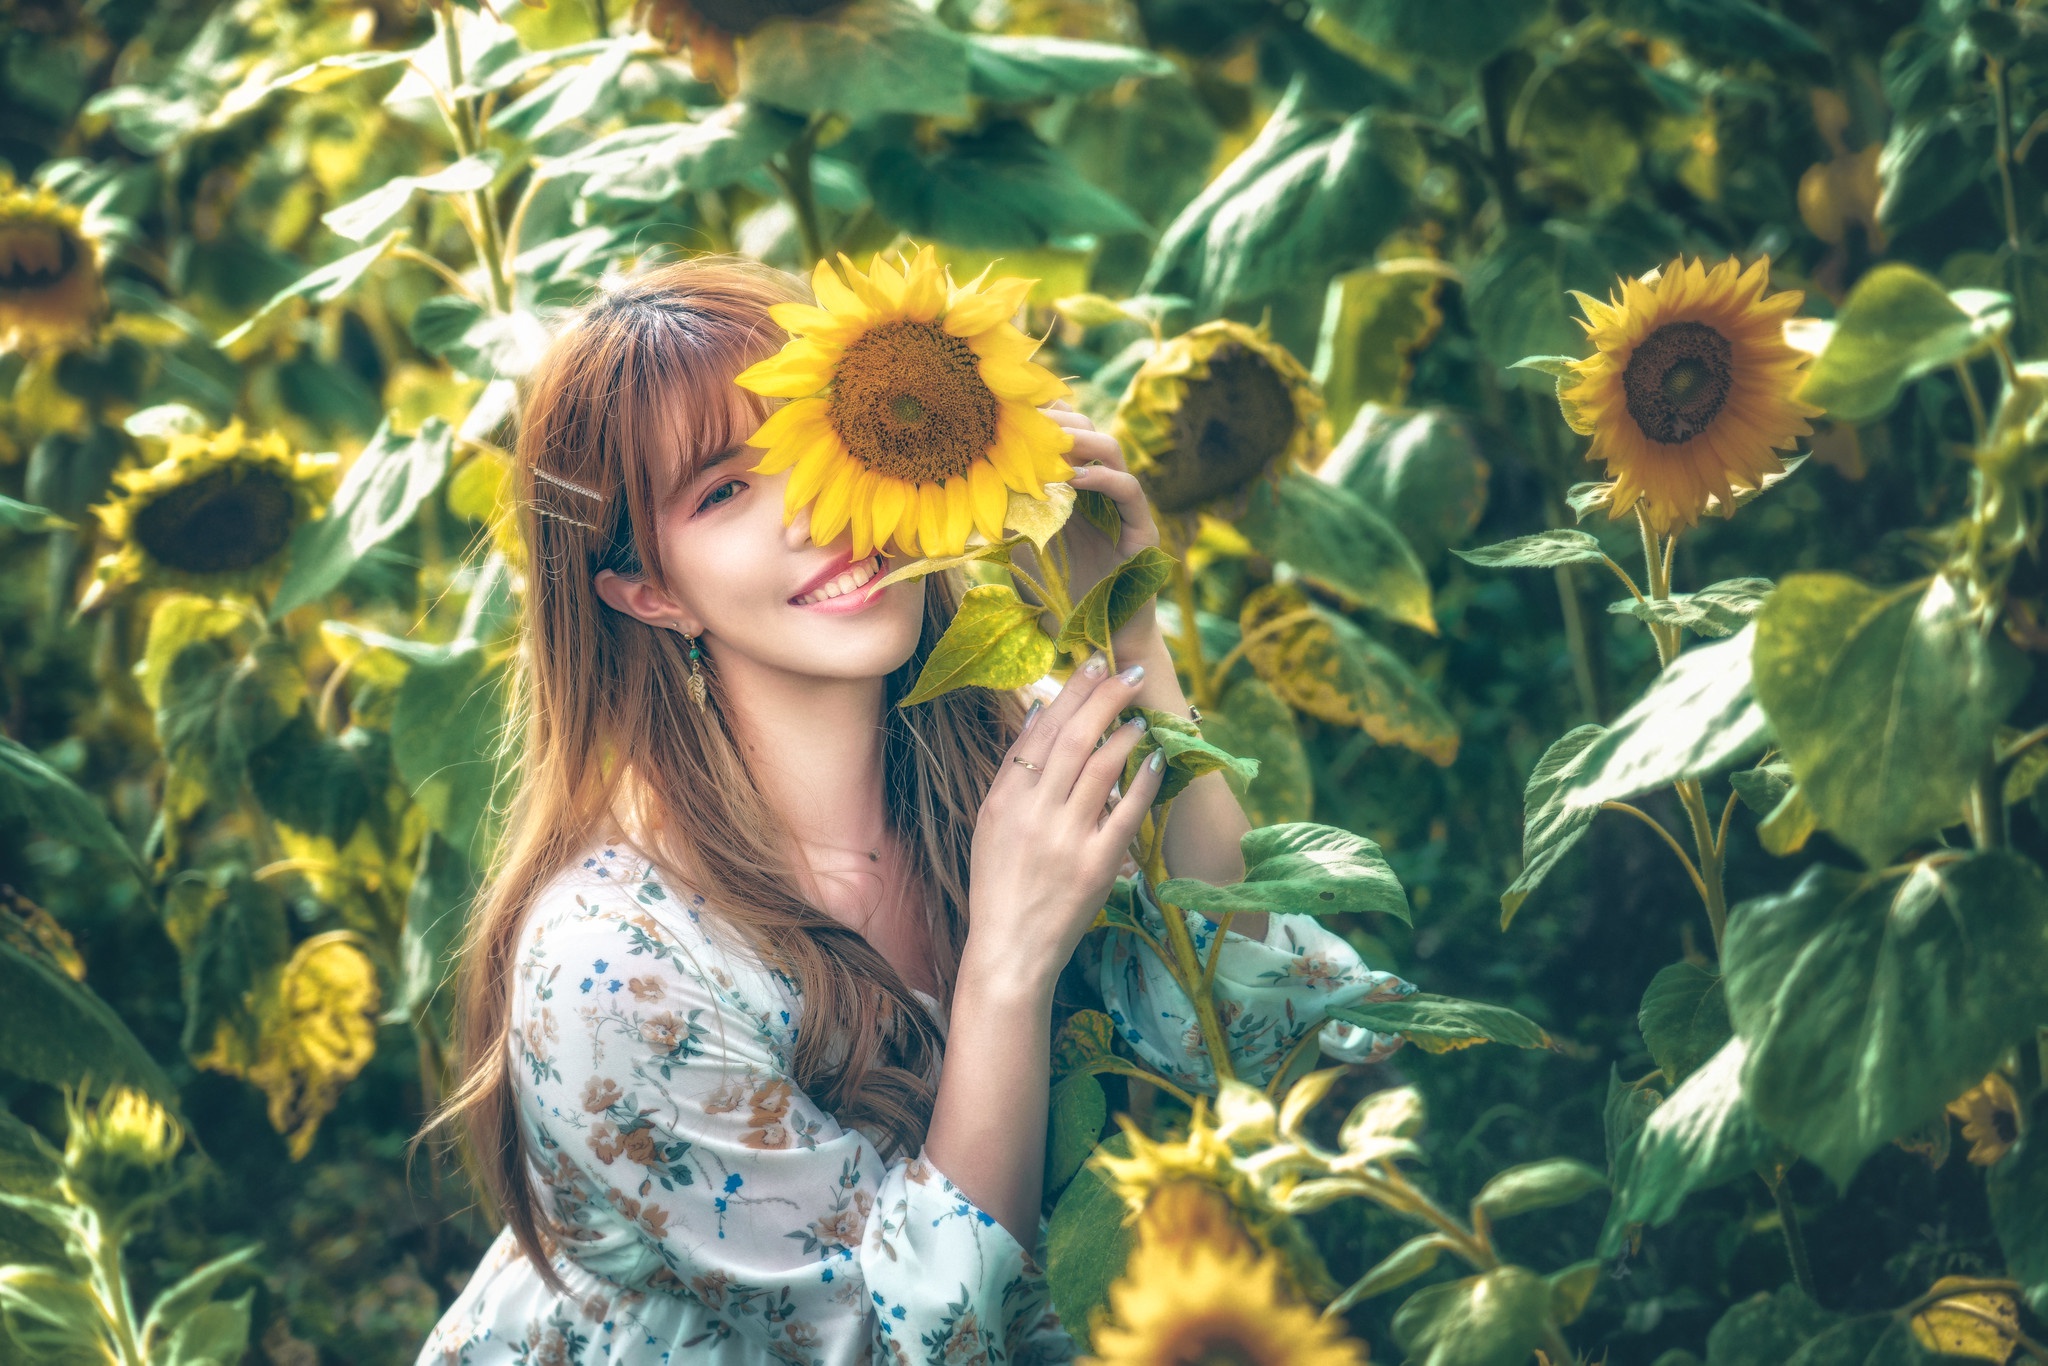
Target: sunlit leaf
(1703, 1135)
(1114, 600)
(1697, 716)
(1538, 551)
(1300, 869)
(383, 489)
(1684, 1019)
(1717, 610)
(866, 57)
(1495, 1319)
(1551, 821)
(1538, 1185)
(1441, 1024)
(994, 642)
(1896, 325)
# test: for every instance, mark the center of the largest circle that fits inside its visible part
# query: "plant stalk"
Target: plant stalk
(793, 173)
(1200, 681)
(110, 1287)
(1186, 964)
(1795, 1239)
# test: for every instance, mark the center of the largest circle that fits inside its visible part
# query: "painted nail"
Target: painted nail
(1139, 724)
(1096, 667)
(1131, 675)
(1157, 761)
(1031, 716)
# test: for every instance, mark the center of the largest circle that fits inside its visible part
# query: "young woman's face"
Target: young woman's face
(760, 593)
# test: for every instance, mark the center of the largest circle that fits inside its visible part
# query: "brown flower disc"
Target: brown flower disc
(1677, 381)
(35, 256)
(227, 520)
(909, 402)
(1229, 429)
(744, 16)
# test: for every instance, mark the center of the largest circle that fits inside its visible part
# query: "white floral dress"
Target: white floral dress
(714, 1214)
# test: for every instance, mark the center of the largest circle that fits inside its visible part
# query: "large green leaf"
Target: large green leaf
(1421, 470)
(1896, 325)
(1496, 1319)
(1697, 716)
(1884, 702)
(215, 708)
(1176, 263)
(378, 496)
(1087, 1244)
(585, 90)
(59, 1032)
(1684, 1019)
(1459, 34)
(1724, 32)
(866, 57)
(1075, 1117)
(1766, 1329)
(1439, 1024)
(360, 217)
(1323, 664)
(437, 909)
(1300, 869)
(1253, 720)
(1927, 162)
(1014, 68)
(446, 738)
(2018, 1191)
(1113, 600)
(320, 286)
(1341, 542)
(652, 163)
(1551, 822)
(35, 796)
(994, 641)
(1537, 1185)
(317, 783)
(1704, 1134)
(1188, 755)
(241, 939)
(996, 187)
(1869, 1003)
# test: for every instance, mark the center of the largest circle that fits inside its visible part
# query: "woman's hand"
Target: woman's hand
(1045, 850)
(1090, 554)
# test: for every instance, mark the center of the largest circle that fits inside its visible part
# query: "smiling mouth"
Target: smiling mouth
(845, 583)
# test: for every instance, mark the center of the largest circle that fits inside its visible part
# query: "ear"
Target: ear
(642, 601)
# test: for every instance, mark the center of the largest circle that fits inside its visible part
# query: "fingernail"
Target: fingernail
(1132, 675)
(1139, 724)
(1096, 667)
(1157, 761)
(1031, 716)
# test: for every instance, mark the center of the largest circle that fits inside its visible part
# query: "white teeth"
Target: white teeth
(845, 583)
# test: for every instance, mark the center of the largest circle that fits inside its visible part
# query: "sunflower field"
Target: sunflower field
(1601, 451)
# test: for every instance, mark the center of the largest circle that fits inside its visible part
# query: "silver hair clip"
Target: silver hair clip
(568, 484)
(544, 510)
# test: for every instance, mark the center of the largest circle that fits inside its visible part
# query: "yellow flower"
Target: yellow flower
(117, 1154)
(50, 291)
(214, 515)
(914, 407)
(711, 28)
(1214, 409)
(1688, 392)
(1990, 1113)
(1182, 1302)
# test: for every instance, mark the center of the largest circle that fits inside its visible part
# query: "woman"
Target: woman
(706, 991)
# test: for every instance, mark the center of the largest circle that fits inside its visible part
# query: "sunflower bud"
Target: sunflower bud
(50, 292)
(118, 1153)
(1215, 409)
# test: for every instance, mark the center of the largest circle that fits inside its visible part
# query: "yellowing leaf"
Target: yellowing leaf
(1040, 519)
(319, 1031)
(994, 642)
(1083, 1042)
(1974, 1323)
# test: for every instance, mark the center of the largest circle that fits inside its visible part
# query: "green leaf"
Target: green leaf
(215, 1334)
(996, 187)
(652, 163)
(2018, 1189)
(59, 1032)
(1416, 1257)
(215, 708)
(177, 1305)
(1515, 295)
(1571, 1289)
(1702, 1135)
(318, 783)
(1762, 789)
(1253, 720)
(1015, 69)
(1788, 827)
(1341, 542)
(867, 57)
(1684, 1019)
(994, 641)
(1725, 32)
(232, 952)
(35, 796)
(1421, 470)
(1565, 370)
(1886, 703)
(586, 92)
(437, 907)
(1087, 1244)
(321, 286)
(1868, 1004)
(1300, 869)
(1696, 717)
(360, 217)
(1439, 1024)
(1766, 1329)
(446, 741)
(1538, 1185)
(1497, 1319)
(28, 1164)
(478, 341)
(1078, 1111)
(1114, 600)
(180, 619)
(29, 519)
(1928, 162)
(1626, 1110)
(1551, 822)
(1560, 545)
(1175, 266)
(1188, 755)
(1460, 34)
(378, 497)
(1896, 325)
(1717, 610)
(1323, 664)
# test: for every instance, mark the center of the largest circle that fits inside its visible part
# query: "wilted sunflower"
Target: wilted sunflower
(710, 29)
(914, 407)
(214, 515)
(1214, 409)
(50, 291)
(1688, 392)
(1182, 1302)
(1990, 1113)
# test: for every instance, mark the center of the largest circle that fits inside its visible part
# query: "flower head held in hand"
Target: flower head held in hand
(1688, 392)
(913, 408)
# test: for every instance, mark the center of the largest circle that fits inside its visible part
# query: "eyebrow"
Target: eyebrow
(715, 461)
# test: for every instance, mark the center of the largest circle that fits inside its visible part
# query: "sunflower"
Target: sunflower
(711, 29)
(1990, 1113)
(117, 1152)
(1688, 392)
(50, 291)
(1183, 1302)
(214, 515)
(914, 409)
(1214, 409)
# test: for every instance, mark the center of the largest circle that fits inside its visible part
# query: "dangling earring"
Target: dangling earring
(697, 688)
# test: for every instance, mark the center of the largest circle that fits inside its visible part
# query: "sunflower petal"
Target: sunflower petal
(991, 498)
(977, 312)
(829, 513)
(931, 519)
(924, 289)
(833, 295)
(959, 514)
(804, 320)
(891, 497)
(860, 514)
(814, 465)
(788, 422)
(798, 370)
(1022, 381)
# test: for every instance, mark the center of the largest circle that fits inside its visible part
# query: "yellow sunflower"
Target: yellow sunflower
(50, 291)
(117, 1152)
(214, 515)
(711, 29)
(1688, 392)
(1183, 1302)
(914, 407)
(1214, 409)
(1990, 1113)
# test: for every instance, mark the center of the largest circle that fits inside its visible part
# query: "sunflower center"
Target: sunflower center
(1213, 1342)
(224, 521)
(1230, 427)
(35, 256)
(909, 402)
(2005, 1124)
(744, 16)
(1678, 380)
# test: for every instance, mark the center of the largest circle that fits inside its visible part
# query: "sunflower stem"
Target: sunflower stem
(1974, 401)
(1199, 680)
(1795, 1237)
(793, 173)
(2001, 105)
(1186, 964)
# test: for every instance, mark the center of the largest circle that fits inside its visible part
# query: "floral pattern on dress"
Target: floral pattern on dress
(705, 1210)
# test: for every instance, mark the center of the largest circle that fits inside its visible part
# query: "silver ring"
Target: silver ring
(1027, 763)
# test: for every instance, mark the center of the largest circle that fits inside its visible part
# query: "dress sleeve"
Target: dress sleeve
(676, 1154)
(1269, 993)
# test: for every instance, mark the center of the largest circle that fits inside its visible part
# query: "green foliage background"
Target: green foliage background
(352, 225)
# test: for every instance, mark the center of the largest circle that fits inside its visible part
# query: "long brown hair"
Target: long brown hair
(625, 406)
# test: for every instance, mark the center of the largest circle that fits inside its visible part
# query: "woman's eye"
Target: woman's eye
(721, 493)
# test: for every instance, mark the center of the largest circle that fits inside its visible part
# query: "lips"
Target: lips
(837, 580)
